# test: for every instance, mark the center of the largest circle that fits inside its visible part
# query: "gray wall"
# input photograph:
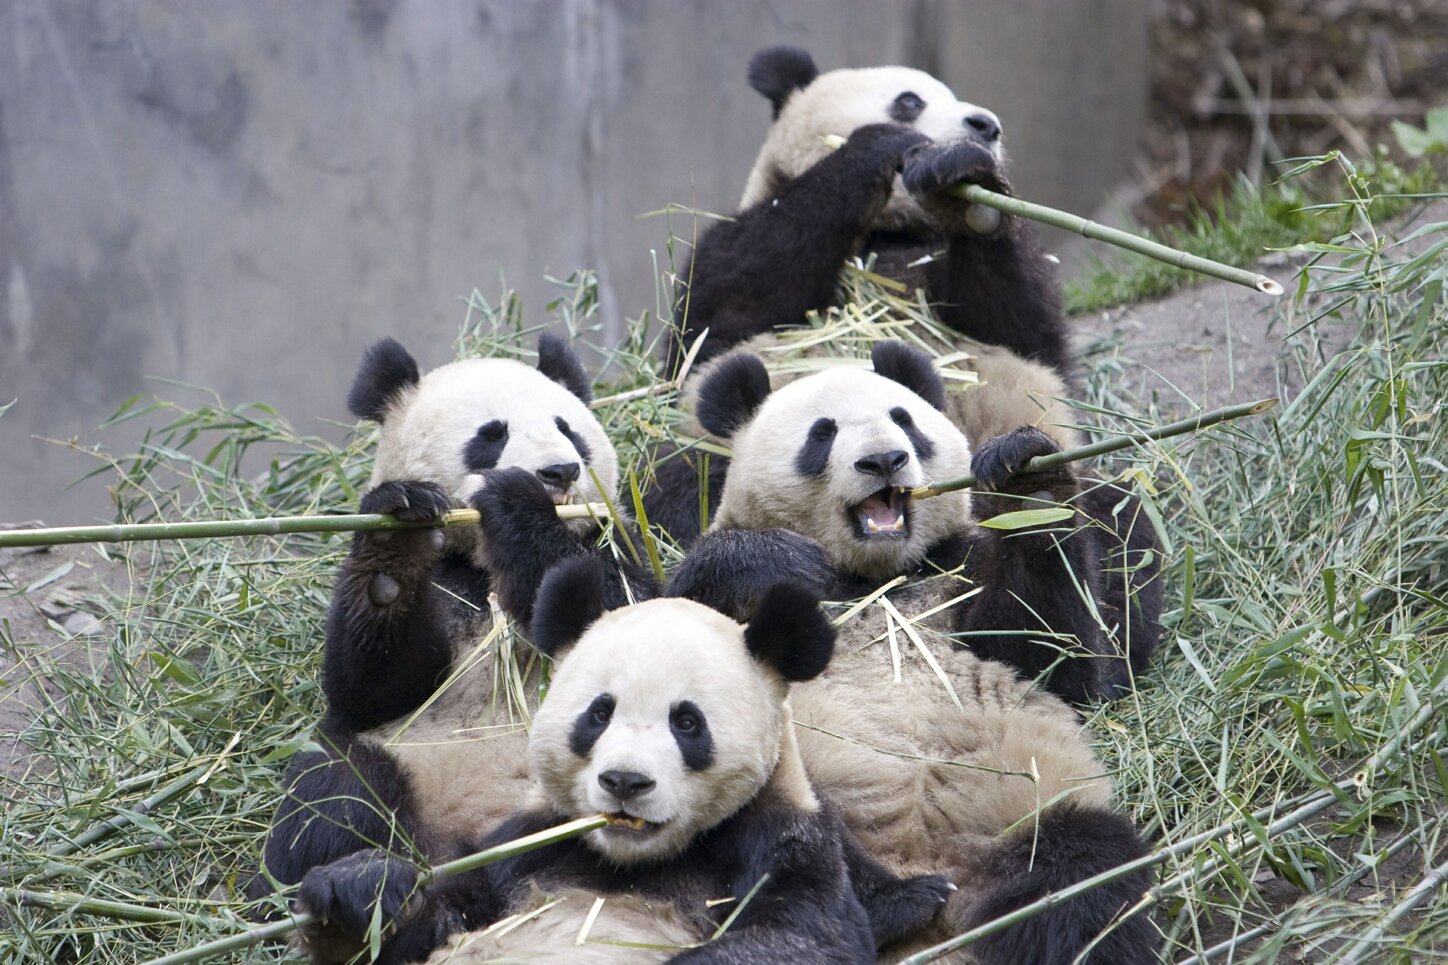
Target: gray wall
(242, 195)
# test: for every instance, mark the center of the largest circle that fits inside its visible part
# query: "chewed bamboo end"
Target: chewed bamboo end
(1263, 406)
(1267, 286)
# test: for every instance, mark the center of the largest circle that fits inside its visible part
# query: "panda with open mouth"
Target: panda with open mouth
(940, 730)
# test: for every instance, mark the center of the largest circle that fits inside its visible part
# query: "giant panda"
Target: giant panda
(673, 720)
(946, 695)
(808, 207)
(423, 735)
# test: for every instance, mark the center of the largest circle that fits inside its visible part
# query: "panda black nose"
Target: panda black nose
(984, 125)
(625, 784)
(883, 464)
(560, 475)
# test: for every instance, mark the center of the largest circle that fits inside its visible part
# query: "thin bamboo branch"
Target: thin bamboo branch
(1180, 427)
(105, 908)
(1099, 232)
(450, 869)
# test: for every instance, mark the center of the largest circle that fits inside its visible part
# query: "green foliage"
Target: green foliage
(1250, 222)
(1431, 138)
(1303, 657)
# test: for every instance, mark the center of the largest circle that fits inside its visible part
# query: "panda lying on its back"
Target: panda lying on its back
(673, 720)
(931, 775)
(409, 761)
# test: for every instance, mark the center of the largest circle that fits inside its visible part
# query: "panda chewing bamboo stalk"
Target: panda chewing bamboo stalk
(374, 522)
(1087, 228)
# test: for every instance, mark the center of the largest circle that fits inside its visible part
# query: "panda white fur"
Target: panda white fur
(829, 461)
(808, 207)
(673, 720)
(422, 747)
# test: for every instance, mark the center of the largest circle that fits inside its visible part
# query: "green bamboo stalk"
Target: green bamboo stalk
(450, 869)
(118, 910)
(1114, 236)
(266, 526)
(1057, 218)
(1041, 463)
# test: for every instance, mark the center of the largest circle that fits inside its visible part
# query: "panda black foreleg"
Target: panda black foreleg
(994, 284)
(523, 538)
(896, 907)
(387, 642)
(1037, 607)
(348, 797)
(782, 257)
(672, 502)
(1069, 844)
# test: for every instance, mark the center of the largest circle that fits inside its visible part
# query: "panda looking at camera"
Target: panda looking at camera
(672, 720)
(965, 761)
(421, 746)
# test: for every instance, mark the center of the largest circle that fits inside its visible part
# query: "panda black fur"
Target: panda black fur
(407, 762)
(672, 719)
(808, 207)
(822, 467)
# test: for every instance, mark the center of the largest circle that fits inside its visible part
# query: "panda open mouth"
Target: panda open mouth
(883, 515)
(619, 821)
(564, 498)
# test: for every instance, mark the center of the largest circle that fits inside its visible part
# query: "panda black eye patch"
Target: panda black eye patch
(589, 726)
(906, 108)
(691, 733)
(485, 448)
(924, 448)
(814, 457)
(573, 437)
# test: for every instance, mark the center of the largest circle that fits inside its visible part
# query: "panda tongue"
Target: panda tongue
(878, 513)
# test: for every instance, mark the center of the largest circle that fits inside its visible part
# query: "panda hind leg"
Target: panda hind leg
(1071, 843)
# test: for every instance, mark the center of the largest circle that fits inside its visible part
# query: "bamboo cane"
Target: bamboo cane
(450, 869)
(1041, 463)
(1057, 218)
(369, 522)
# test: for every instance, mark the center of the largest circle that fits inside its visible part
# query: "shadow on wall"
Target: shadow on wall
(244, 195)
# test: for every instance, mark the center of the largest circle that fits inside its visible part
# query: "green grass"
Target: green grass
(1305, 632)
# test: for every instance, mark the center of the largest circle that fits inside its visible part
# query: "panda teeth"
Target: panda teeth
(621, 820)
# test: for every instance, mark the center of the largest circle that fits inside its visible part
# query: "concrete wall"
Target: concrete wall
(242, 195)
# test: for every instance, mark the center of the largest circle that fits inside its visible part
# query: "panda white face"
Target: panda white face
(659, 717)
(833, 457)
(466, 417)
(840, 101)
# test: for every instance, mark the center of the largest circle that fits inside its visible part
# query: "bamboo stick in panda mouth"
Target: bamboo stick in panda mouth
(373, 522)
(1085, 227)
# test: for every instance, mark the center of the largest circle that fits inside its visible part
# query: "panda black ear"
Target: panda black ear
(910, 367)
(557, 361)
(386, 371)
(790, 633)
(569, 599)
(777, 72)
(731, 392)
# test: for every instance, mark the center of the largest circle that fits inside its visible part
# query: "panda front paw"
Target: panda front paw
(513, 494)
(997, 466)
(407, 500)
(932, 167)
(906, 905)
(888, 145)
(344, 895)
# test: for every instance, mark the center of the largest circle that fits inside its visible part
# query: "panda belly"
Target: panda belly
(879, 749)
(465, 752)
(629, 929)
